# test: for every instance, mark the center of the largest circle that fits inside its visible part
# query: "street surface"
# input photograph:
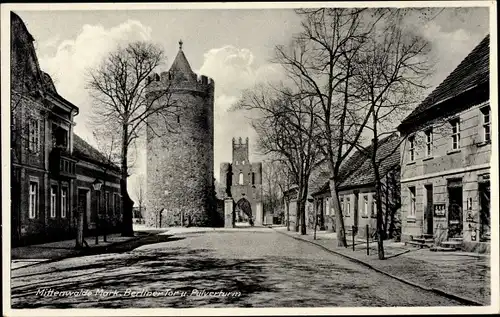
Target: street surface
(252, 268)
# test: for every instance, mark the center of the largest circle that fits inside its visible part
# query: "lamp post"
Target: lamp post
(97, 187)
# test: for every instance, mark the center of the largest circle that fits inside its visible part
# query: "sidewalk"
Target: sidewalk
(456, 274)
(32, 254)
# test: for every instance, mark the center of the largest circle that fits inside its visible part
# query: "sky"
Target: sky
(232, 46)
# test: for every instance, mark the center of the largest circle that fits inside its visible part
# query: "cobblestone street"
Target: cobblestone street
(269, 269)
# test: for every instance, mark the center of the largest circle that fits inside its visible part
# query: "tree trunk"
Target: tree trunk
(341, 239)
(303, 201)
(127, 203)
(303, 218)
(380, 219)
(287, 206)
(298, 208)
(79, 228)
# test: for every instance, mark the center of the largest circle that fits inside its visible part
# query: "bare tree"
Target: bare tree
(391, 70)
(118, 87)
(284, 123)
(321, 61)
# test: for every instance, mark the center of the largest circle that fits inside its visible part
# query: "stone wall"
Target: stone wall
(180, 162)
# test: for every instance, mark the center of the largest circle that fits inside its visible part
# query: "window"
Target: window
(64, 202)
(327, 206)
(241, 179)
(374, 207)
(342, 204)
(253, 178)
(411, 142)
(33, 202)
(428, 142)
(117, 204)
(243, 162)
(365, 205)
(455, 134)
(34, 135)
(53, 201)
(486, 124)
(412, 201)
(348, 206)
(106, 203)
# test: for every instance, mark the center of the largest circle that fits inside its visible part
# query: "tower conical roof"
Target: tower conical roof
(181, 64)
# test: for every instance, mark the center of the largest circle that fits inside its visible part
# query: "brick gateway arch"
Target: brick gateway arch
(243, 211)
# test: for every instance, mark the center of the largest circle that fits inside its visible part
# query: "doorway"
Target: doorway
(429, 216)
(83, 207)
(484, 212)
(455, 208)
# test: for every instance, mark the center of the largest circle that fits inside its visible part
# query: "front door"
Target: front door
(484, 212)
(82, 206)
(455, 214)
(429, 217)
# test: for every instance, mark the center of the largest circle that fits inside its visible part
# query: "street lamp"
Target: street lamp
(97, 184)
(97, 187)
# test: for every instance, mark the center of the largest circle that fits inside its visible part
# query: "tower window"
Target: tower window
(253, 178)
(240, 181)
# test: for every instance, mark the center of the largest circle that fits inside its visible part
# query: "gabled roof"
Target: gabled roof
(85, 151)
(470, 73)
(357, 171)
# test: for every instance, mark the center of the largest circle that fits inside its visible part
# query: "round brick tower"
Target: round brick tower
(180, 152)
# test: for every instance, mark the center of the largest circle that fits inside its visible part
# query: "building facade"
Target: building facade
(101, 205)
(357, 193)
(445, 160)
(242, 181)
(180, 152)
(46, 166)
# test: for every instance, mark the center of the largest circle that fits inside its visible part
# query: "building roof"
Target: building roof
(181, 64)
(32, 76)
(357, 171)
(470, 73)
(85, 151)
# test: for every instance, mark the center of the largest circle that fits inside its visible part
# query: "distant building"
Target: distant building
(445, 161)
(242, 181)
(180, 163)
(357, 194)
(50, 165)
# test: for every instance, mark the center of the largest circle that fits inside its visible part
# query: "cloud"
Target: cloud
(73, 57)
(233, 70)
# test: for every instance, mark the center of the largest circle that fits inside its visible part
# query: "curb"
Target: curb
(461, 299)
(77, 253)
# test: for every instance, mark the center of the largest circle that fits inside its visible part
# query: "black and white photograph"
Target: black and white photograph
(249, 158)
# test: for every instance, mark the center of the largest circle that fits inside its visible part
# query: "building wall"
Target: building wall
(467, 163)
(180, 163)
(251, 187)
(87, 173)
